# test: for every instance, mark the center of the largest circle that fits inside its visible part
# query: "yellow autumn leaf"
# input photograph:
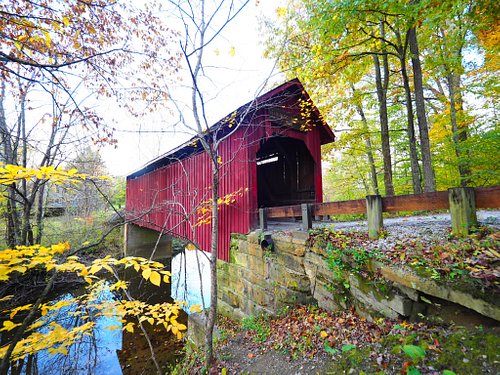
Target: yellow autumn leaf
(323, 334)
(20, 269)
(84, 272)
(195, 308)
(190, 246)
(151, 321)
(65, 21)
(6, 298)
(146, 273)
(181, 327)
(48, 39)
(9, 326)
(17, 309)
(155, 278)
(129, 327)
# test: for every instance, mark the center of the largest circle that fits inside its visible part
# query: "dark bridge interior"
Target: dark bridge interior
(285, 173)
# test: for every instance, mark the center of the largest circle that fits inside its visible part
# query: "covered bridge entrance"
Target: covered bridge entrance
(285, 173)
(270, 154)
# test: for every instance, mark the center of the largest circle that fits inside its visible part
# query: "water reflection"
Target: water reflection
(191, 278)
(106, 349)
(91, 354)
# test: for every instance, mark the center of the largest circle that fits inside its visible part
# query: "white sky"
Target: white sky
(234, 81)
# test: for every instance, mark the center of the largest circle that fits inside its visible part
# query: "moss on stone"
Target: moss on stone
(466, 352)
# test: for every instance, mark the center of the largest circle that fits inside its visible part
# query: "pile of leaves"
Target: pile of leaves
(452, 259)
(308, 330)
(474, 259)
(338, 239)
(350, 342)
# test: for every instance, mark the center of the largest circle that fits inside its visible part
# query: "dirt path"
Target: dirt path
(242, 356)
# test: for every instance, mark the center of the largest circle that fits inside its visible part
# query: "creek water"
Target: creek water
(110, 349)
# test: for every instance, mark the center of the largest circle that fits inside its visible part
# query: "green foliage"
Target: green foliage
(329, 349)
(416, 353)
(118, 192)
(259, 325)
(348, 347)
(329, 46)
(80, 231)
(345, 260)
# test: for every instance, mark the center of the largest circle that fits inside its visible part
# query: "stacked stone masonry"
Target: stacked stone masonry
(257, 281)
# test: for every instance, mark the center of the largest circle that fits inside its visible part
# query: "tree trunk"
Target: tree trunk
(459, 134)
(410, 128)
(12, 232)
(212, 315)
(428, 172)
(368, 143)
(384, 125)
(39, 215)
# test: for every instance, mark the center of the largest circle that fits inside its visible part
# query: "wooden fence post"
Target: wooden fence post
(462, 210)
(374, 215)
(263, 218)
(306, 216)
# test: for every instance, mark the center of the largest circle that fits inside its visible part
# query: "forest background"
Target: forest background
(410, 88)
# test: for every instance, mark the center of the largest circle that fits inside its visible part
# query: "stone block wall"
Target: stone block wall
(255, 281)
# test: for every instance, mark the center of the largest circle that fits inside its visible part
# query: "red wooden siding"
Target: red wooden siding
(172, 193)
(167, 197)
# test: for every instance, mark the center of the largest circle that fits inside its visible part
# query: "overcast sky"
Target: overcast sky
(235, 78)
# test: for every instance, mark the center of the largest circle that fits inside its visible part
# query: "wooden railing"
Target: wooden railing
(462, 203)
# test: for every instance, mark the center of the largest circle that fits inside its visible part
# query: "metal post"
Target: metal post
(263, 218)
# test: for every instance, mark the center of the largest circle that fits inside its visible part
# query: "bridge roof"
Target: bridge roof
(243, 114)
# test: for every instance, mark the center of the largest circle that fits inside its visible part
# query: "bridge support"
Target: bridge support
(146, 243)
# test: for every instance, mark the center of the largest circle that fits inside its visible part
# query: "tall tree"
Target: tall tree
(202, 23)
(65, 52)
(382, 85)
(368, 143)
(401, 47)
(428, 172)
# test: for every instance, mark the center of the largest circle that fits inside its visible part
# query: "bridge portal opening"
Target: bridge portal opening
(285, 173)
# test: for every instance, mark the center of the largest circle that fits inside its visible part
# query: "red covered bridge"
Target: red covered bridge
(270, 154)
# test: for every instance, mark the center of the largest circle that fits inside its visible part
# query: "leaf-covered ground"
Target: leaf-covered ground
(308, 340)
(473, 260)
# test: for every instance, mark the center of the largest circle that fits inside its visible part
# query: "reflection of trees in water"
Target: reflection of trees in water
(101, 350)
(91, 352)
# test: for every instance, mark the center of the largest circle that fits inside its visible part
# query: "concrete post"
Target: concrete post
(306, 216)
(462, 209)
(263, 219)
(374, 215)
(142, 242)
